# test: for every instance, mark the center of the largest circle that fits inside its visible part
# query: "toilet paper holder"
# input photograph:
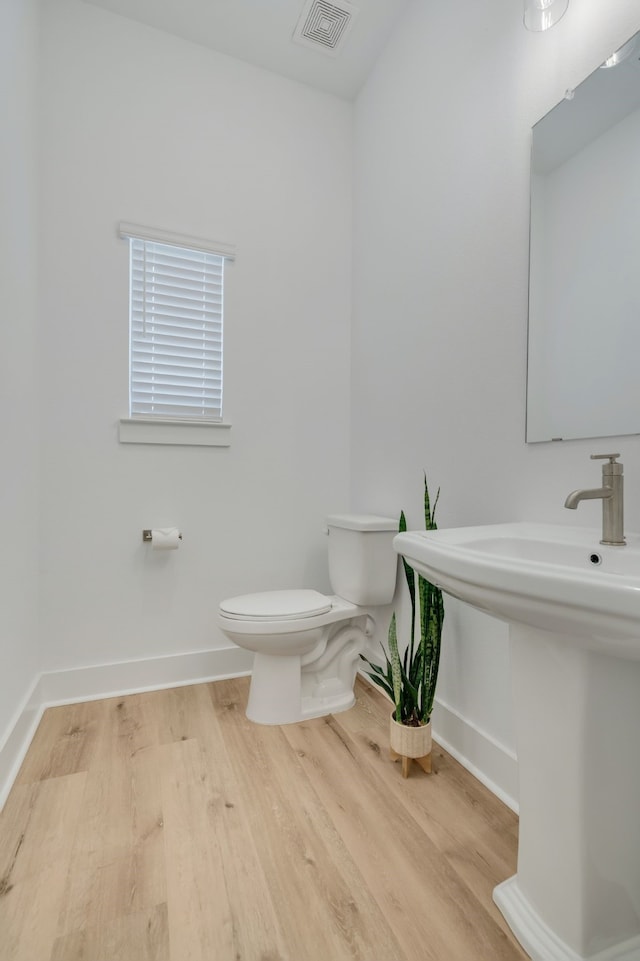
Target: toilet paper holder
(147, 535)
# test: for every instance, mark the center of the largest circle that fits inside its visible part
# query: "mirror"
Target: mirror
(583, 376)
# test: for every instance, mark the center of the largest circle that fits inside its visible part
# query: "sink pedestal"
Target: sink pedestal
(573, 606)
(576, 894)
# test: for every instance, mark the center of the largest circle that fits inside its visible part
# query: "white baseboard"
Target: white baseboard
(109, 680)
(18, 737)
(492, 763)
(148, 674)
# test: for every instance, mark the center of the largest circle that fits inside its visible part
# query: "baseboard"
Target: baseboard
(18, 737)
(110, 680)
(147, 674)
(492, 763)
(486, 758)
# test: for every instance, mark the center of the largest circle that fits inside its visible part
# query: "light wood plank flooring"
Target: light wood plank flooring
(166, 827)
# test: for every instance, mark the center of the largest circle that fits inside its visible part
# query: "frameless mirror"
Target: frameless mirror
(583, 377)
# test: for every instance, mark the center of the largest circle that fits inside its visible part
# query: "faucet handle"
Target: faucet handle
(613, 469)
(610, 457)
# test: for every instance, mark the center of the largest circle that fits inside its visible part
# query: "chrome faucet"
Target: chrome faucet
(611, 495)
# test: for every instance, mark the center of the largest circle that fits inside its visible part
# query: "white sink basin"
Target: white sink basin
(544, 575)
(573, 607)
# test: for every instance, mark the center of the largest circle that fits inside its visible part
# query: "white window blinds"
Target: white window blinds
(176, 301)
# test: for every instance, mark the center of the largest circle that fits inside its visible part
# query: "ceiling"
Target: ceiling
(260, 32)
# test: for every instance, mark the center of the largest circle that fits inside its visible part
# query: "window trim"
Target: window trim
(191, 433)
(143, 430)
(139, 232)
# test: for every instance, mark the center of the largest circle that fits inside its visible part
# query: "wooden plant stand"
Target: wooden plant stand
(423, 762)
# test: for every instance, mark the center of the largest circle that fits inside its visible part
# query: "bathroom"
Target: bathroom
(376, 325)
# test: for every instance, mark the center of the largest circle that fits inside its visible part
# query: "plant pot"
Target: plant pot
(410, 743)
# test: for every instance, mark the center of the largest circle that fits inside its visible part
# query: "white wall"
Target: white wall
(18, 386)
(141, 126)
(440, 293)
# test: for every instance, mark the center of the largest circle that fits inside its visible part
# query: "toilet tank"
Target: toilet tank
(362, 562)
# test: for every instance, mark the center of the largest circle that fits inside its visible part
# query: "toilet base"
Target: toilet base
(320, 706)
(276, 696)
(289, 688)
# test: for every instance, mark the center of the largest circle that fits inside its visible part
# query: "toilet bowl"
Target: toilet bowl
(306, 644)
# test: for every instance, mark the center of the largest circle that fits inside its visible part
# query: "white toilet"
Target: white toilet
(307, 644)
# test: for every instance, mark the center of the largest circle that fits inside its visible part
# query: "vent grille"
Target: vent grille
(324, 26)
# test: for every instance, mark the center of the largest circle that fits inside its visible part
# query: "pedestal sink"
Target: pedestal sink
(573, 608)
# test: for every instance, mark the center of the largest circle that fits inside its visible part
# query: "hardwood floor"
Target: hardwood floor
(166, 827)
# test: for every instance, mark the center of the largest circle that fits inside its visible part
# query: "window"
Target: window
(176, 321)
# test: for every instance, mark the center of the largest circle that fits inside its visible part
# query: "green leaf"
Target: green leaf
(429, 515)
(381, 683)
(396, 667)
(410, 577)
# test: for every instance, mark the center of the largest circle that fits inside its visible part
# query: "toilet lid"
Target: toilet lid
(276, 605)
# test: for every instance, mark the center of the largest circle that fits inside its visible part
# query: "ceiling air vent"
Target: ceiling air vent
(324, 26)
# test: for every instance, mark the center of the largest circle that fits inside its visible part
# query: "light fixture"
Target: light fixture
(543, 14)
(621, 54)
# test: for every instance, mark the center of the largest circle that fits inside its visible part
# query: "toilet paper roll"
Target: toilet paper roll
(165, 539)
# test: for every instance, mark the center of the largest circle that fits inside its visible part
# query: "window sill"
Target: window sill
(178, 432)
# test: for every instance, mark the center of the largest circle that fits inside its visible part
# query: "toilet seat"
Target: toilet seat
(276, 606)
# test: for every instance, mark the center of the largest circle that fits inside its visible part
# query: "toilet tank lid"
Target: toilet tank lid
(362, 522)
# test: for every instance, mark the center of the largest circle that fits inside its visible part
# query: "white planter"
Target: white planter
(410, 743)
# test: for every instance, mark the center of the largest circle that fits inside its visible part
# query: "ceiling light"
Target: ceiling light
(543, 14)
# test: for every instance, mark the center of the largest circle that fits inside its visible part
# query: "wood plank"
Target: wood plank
(316, 887)
(183, 714)
(127, 725)
(471, 828)
(63, 743)
(434, 913)
(254, 925)
(199, 914)
(133, 937)
(36, 827)
(118, 865)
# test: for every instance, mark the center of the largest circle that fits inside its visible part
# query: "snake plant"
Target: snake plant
(410, 680)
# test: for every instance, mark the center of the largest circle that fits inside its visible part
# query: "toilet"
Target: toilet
(306, 644)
